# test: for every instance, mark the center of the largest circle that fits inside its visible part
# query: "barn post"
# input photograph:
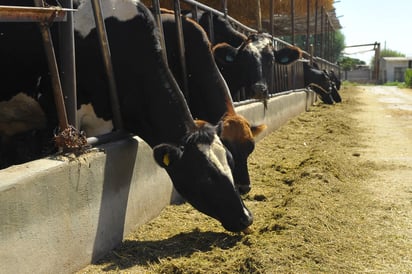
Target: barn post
(377, 48)
(105, 50)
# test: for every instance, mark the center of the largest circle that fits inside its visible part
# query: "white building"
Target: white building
(393, 68)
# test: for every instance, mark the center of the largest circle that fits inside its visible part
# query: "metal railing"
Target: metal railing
(286, 78)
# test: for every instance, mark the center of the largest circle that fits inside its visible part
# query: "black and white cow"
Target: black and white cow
(245, 61)
(208, 94)
(151, 104)
(249, 66)
(335, 86)
(320, 82)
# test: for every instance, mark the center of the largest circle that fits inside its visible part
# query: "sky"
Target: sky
(370, 21)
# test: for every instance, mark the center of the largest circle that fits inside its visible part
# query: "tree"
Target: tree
(408, 77)
(348, 63)
(337, 45)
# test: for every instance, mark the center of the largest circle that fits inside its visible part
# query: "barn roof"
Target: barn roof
(245, 11)
(282, 23)
(394, 59)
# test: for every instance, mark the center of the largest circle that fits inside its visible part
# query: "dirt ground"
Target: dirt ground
(331, 193)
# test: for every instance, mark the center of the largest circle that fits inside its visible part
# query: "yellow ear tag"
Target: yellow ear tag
(166, 159)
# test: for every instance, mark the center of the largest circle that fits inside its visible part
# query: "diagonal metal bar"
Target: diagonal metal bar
(54, 71)
(105, 49)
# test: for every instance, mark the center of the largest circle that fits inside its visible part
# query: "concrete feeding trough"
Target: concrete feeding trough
(58, 214)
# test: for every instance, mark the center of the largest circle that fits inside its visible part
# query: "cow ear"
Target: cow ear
(166, 155)
(256, 130)
(287, 55)
(224, 53)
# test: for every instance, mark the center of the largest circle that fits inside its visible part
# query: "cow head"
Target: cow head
(238, 136)
(335, 84)
(208, 184)
(335, 79)
(319, 81)
(251, 64)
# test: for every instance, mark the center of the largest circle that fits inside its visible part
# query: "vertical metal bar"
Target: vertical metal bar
(307, 24)
(211, 30)
(271, 12)
(104, 46)
(272, 69)
(292, 19)
(311, 54)
(182, 50)
(195, 13)
(258, 16)
(156, 12)
(315, 34)
(224, 7)
(322, 30)
(54, 71)
(68, 67)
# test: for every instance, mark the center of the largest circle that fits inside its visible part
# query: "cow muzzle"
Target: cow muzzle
(260, 91)
(243, 189)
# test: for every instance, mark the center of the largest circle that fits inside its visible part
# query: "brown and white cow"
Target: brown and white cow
(208, 95)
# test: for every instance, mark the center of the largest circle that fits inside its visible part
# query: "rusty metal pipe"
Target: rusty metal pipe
(54, 71)
(32, 14)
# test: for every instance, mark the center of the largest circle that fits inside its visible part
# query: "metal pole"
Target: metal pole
(105, 49)
(271, 12)
(272, 68)
(211, 30)
(158, 18)
(311, 54)
(258, 16)
(54, 71)
(68, 65)
(315, 34)
(377, 61)
(195, 13)
(292, 19)
(321, 31)
(224, 7)
(307, 24)
(181, 44)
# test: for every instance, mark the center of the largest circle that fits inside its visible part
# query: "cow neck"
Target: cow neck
(167, 101)
(152, 104)
(209, 94)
